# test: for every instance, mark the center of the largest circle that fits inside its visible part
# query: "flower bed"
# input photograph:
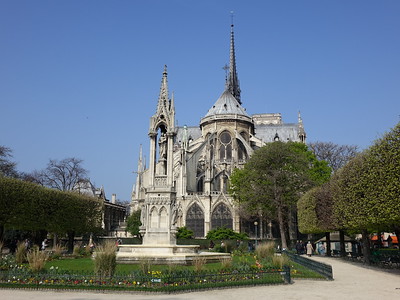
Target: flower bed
(152, 281)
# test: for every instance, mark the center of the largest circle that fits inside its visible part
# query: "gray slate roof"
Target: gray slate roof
(226, 105)
(286, 132)
(192, 132)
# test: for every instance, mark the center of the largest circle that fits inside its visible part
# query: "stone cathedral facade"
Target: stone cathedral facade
(189, 166)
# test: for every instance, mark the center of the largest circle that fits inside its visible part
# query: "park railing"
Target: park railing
(321, 268)
(152, 281)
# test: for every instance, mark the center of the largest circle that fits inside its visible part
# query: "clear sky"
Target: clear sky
(81, 78)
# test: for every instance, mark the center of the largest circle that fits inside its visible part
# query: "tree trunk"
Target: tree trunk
(379, 239)
(366, 247)
(1, 232)
(396, 231)
(282, 228)
(342, 245)
(55, 240)
(328, 243)
(70, 243)
(292, 226)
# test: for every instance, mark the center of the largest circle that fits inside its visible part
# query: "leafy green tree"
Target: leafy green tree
(368, 195)
(383, 184)
(63, 175)
(351, 206)
(133, 224)
(315, 212)
(273, 179)
(28, 206)
(306, 212)
(184, 233)
(362, 196)
(223, 233)
(9, 191)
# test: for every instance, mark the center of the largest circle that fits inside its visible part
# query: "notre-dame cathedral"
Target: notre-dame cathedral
(189, 166)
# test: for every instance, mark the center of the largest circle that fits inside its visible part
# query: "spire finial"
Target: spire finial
(299, 117)
(233, 81)
(163, 97)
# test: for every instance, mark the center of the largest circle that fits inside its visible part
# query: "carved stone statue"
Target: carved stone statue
(143, 215)
(176, 213)
(162, 142)
(185, 138)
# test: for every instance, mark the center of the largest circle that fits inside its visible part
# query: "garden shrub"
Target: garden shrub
(76, 251)
(278, 261)
(37, 259)
(57, 251)
(223, 233)
(199, 263)
(7, 262)
(20, 253)
(226, 263)
(105, 261)
(243, 263)
(145, 265)
(265, 250)
(184, 233)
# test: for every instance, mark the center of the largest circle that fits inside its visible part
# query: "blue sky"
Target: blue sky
(81, 78)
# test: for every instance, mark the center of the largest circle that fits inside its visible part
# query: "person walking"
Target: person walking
(309, 248)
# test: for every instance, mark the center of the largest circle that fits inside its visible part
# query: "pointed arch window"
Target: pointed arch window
(242, 153)
(221, 217)
(212, 146)
(225, 149)
(195, 220)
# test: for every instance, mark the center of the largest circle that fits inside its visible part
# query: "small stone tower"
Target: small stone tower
(159, 211)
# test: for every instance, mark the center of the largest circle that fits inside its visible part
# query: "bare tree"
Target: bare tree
(7, 167)
(63, 175)
(336, 155)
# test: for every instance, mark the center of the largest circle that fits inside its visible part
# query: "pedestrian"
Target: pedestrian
(299, 246)
(309, 248)
(44, 245)
(211, 245)
(91, 247)
(27, 244)
(321, 249)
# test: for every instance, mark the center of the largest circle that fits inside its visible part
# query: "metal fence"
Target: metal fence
(151, 281)
(321, 268)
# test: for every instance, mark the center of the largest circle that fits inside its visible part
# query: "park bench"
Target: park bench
(386, 260)
(354, 256)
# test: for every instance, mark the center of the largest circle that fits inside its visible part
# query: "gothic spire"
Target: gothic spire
(163, 98)
(233, 81)
(140, 170)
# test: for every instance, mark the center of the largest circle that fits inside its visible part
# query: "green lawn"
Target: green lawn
(87, 265)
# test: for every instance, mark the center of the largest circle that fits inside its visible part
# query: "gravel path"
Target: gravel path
(351, 281)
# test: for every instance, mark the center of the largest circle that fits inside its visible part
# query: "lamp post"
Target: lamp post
(255, 225)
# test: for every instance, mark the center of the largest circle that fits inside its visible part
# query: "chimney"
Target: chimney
(113, 198)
